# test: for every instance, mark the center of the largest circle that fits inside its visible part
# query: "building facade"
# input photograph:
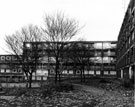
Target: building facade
(126, 44)
(98, 57)
(10, 69)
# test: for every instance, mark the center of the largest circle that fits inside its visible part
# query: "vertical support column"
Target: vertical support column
(130, 72)
(121, 74)
(94, 72)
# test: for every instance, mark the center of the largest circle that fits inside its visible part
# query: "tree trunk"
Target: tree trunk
(56, 70)
(27, 80)
(59, 77)
(81, 77)
(82, 74)
(56, 73)
(30, 80)
(26, 75)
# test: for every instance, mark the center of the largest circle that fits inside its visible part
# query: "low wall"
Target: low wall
(11, 85)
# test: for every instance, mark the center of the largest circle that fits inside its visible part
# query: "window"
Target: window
(106, 60)
(39, 72)
(2, 57)
(98, 45)
(8, 70)
(27, 45)
(97, 53)
(98, 72)
(44, 66)
(113, 45)
(14, 71)
(113, 53)
(39, 66)
(86, 72)
(33, 77)
(39, 46)
(112, 72)
(25, 77)
(38, 78)
(46, 74)
(129, 11)
(106, 72)
(19, 70)
(51, 71)
(14, 58)
(91, 72)
(2, 70)
(106, 45)
(44, 78)
(78, 72)
(8, 57)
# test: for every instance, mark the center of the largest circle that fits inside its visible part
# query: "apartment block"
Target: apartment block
(126, 44)
(97, 57)
(10, 69)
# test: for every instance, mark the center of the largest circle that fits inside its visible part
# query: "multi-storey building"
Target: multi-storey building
(126, 44)
(100, 55)
(99, 59)
(10, 69)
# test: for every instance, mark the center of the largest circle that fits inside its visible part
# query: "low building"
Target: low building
(10, 69)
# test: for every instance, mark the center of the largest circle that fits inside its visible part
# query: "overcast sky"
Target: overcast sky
(101, 19)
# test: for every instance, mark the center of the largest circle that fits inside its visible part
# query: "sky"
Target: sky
(101, 19)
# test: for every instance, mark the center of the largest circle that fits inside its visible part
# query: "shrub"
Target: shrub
(105, 81)
(48, 89)
(127, 83)
(132, 81)
(65, 87)
(16, 91)
(21, 91)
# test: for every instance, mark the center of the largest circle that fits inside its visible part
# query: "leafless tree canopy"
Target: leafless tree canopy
(15, 44)
(58, 28)
(15, 41)
(57, 31)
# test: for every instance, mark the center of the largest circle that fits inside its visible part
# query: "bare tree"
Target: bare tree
(15, 42)
(58, 30)
(80, 56)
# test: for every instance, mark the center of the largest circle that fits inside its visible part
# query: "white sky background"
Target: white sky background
(102, 18)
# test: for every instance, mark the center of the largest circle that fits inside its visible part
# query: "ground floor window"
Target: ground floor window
(44, 78)
(106, 72)
(33, 78)
(91, 72)
(78, 72)
(112, 72)
(98, 72)
(38, 78)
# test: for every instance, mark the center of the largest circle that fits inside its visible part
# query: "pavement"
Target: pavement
(113, 98)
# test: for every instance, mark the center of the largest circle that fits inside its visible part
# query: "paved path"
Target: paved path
(91, 89)
(107, 98)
